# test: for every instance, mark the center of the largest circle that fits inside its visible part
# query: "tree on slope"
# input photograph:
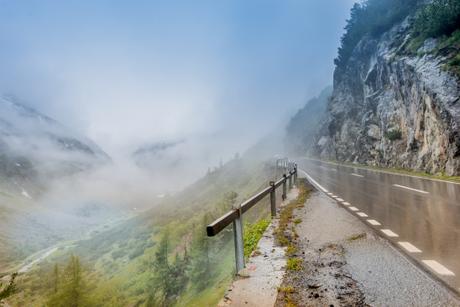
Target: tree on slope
(9, 289)
(70, 289)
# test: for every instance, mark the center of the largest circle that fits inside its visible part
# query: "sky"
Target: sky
(128, 73)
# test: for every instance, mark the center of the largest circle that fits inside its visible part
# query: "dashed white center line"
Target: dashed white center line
(346, 203)
(438, 268)
(409, 247)
(362, 214)
(353, 208)
(411, 189)
(339, 199)
(357, 175)
(374, 222)
(390, 233)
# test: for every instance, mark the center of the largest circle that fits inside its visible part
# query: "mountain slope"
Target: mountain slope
(35, 148)
(305, 124)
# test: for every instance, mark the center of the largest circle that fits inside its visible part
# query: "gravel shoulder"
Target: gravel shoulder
(344, 263)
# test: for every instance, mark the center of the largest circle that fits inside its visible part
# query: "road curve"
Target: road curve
(420, 216)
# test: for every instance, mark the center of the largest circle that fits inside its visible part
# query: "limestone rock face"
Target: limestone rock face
(393, 110)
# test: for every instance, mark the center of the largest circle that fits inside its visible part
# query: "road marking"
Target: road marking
(329, 193)
(315, 182)
(357, 175)
(346, 203)
(353, 208)
(335, 196)
(409, 247)
(362, 214)
(339, 199)
(438, 268)
(390, 233)
(408, 188)
(374, 222)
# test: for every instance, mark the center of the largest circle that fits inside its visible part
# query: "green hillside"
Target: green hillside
(161, 257)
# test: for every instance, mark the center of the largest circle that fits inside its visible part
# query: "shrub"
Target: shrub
(294, 264)
(393, 135)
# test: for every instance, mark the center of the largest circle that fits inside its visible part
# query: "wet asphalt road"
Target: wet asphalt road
(421, 216)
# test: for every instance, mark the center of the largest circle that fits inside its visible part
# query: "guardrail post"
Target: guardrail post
(273, 198)
(295, 174)
(284, 187)
(238, 240)
(290, 180)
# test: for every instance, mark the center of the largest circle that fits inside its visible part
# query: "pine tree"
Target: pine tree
(71, 289)
(55, 278)
(160, 281)
(199, 268)
(9, 289)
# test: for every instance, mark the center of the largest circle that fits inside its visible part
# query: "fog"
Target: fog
(212, 78)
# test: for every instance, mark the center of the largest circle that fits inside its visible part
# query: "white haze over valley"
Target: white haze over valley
(206, 77)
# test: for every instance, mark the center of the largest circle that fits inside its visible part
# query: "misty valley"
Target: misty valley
(69, 208)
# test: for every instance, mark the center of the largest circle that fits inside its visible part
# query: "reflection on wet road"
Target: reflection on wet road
(421, 216)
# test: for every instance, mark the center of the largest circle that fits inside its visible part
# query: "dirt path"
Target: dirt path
(343, 263)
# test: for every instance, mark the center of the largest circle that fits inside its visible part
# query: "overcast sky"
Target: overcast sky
(130, 72)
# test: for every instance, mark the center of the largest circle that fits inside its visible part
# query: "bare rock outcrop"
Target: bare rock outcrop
(392, 109)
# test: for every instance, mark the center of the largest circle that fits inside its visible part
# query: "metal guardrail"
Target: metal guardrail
(235, 215)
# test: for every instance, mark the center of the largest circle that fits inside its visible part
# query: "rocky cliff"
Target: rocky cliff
(394, 109)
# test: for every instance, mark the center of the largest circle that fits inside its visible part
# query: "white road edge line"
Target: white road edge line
(374, 222)
(357, 175)
(362, 214)
(438, 268)
(315, 182)
(390, 233)
(409, 247)
(411, 189)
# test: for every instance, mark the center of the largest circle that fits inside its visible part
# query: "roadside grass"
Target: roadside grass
(294, 264)
(286, 235)
(252, 235)
(291, 250)
(357, 237)
(282, 235)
